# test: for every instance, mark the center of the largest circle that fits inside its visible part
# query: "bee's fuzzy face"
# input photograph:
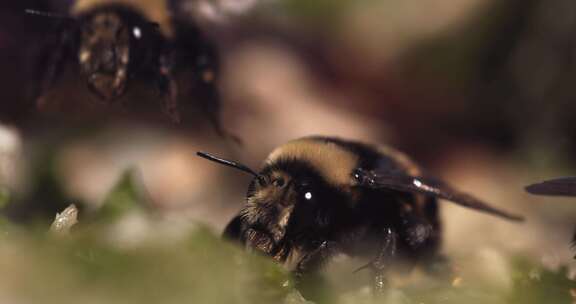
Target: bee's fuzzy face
(104, 54)
(270, 206)
(293, 201)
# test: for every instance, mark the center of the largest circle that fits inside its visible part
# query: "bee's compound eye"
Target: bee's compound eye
(279, 182)
(308, 195)
(137, 32)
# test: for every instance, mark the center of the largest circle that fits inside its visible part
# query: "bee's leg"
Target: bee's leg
(307, 278)
(168, 87)
(381, 263)
(315, 259)
(210, 103)
(212, 107)
(206, 78)
(52, 63)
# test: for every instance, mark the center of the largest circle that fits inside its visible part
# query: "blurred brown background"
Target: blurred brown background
(479, 92)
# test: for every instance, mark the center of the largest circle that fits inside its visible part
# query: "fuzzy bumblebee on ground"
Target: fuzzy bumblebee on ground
(113, 42)
(319, 196)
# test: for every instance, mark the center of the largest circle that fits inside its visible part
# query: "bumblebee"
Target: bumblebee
(112, 42)
(320, 196)
(563, 186)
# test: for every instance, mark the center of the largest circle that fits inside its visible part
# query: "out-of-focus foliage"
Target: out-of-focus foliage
(321, 11)
(86, 267)
(127, 195)
(4, 197)
(200, 267)
(533, 284)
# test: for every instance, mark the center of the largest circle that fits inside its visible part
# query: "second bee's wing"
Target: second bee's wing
(427, 186)
(564, 186)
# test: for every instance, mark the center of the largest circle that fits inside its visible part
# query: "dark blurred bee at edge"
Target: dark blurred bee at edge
(126, 52)
(563, 186)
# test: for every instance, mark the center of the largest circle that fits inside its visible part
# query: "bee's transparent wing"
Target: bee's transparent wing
(427, 186)
(564, 186)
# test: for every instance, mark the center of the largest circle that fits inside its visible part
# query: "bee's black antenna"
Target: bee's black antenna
(230, 163)
(45, 14)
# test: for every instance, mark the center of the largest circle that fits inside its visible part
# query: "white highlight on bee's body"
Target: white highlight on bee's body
(84, 55)
(421, 185)
(308, 195)
(137, 32)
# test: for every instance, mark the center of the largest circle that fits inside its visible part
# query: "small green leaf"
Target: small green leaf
(4, 197)
(126, 196)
